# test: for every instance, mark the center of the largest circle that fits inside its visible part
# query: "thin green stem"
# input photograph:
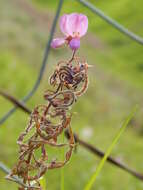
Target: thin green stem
(62, 169)
(114, 142)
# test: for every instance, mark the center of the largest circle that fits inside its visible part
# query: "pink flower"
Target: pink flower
(73, 26)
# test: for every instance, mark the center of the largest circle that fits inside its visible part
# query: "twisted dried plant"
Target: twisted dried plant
(47, 122)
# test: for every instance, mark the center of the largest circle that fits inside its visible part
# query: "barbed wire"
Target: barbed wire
(112, 22)
(43, 66)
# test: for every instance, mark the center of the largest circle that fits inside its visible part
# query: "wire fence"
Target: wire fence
(114, 24)
(43, 66)
(95, 10)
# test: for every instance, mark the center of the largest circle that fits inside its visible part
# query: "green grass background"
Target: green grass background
(116, 82)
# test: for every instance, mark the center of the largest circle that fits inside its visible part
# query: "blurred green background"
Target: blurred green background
(116, 85)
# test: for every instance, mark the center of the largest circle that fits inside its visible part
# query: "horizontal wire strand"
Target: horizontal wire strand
(81, 142)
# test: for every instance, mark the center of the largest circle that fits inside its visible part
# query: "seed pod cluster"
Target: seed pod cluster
(48, 122)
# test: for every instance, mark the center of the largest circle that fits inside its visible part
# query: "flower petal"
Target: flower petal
(58, 42)
(63, 24)
(74, 43)
(76, 25)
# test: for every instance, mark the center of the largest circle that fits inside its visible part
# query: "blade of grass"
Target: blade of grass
(62, 180)
(43, 183)
(114, 142)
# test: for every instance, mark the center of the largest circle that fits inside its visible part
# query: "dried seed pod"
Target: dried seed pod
(47, 122)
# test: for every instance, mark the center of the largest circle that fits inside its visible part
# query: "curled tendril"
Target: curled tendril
(69, 80)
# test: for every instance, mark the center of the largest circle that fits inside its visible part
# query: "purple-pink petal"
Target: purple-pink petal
(73, 26)
(83, 25)
(76, 25)
(58, 42)
(74, 43)
(63, 24)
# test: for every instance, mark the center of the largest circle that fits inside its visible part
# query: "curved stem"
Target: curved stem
(72, 58)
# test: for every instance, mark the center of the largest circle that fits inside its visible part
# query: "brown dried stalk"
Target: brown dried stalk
(81, 142)
(70, 81)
